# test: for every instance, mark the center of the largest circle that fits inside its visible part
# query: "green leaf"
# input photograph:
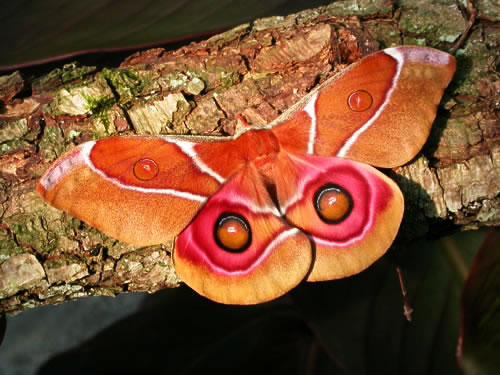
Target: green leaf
(479, 349)
(37, 30)
(360, 320)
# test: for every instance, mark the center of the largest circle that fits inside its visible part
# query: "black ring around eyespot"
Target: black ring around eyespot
(328, 188)
(228, 216)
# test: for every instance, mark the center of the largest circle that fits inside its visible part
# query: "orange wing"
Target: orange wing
(378, 111)
(139, 190)
(350, 211)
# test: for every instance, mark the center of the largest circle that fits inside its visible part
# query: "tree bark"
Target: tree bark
(256, 71)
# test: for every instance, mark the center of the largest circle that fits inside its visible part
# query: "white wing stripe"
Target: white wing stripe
(348, 144)
(278, 240)
(84, 153)
(188, 149)
(310, 109)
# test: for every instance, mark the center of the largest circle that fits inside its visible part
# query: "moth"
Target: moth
(255, 214)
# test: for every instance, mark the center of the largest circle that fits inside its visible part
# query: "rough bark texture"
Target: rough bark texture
(256, 71)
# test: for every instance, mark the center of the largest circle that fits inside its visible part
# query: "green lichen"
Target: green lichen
(29, 230)
(74, 71)
(57, 262)
(360, 8)
(8, 246)
(89, 237)
(74, 223)
(28, 305)
(57, 292)
(127, 83)
(108, 292)
(179, 115)
(195, 86)
(202, 77)
(473, 65)
(13, 130)
(188, 83)
(273, 23)
(228, 79)
(386, 34)
(117, 249)
(74, 134)
(413, 41)
(52, 144)
(216, 76)
(174, 80)
(437, 21)
(99, 107)
(14, 135)
(488, 8)
(15, 144)
(226, 37)
(67, 73)
(224, 76)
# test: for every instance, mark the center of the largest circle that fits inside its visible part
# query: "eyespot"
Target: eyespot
(333, 203)
(145, 169)
(360, 101)
(232, 232)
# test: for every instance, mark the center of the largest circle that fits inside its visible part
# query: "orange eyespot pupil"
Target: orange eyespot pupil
(333, 204)
(232, 232)
(360, 101)
(145, 169)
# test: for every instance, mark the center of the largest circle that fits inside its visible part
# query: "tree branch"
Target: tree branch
(253, 71)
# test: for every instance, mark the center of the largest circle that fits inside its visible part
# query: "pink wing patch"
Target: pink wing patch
(371, 207)
(275, 258)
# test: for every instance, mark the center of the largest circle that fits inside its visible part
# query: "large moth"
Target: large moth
(255, 214)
